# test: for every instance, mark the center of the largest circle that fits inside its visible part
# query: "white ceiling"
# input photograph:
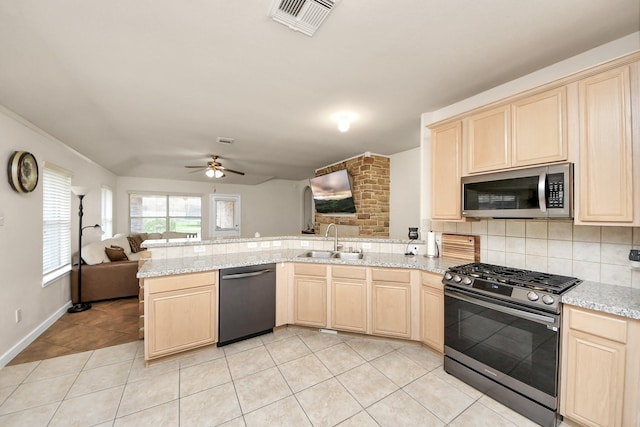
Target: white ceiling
(145, 87)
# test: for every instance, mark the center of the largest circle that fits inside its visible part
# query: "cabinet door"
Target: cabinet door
(391, 309)
(349, 305)
(432, 306)
(446, 162)
(539, 128)
(310, 301)
(489, 140)
(606, 169)
(594, 380)
(181, 319)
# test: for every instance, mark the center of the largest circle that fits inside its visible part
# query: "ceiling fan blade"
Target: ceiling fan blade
(222, 168)
(198, 170)
(196, 167)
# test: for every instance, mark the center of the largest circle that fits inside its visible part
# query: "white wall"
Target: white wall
(404, 199)
(272, 208)
(21, 234)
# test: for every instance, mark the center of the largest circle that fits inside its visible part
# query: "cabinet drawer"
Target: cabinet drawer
(432, 280)
(349, 272)
(601, 325)
(390, 275)
(310, 269)
(182, 281)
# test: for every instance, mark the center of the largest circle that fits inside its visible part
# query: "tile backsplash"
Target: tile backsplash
(599, 254)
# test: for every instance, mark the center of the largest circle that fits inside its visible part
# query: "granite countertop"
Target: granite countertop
(612, 299)
(619, 300)
(166, 267)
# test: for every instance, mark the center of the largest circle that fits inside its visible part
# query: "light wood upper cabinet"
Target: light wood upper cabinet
(539, 128)
(349, 298)
(181, 313)
(432, 307)
(526, 132)
(310, 295)
(600, 367)
(606, 149)
(488, 141)
(446, 163)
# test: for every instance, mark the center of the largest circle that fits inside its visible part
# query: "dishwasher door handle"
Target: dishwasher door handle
(243, 275)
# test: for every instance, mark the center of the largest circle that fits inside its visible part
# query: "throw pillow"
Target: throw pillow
(116, 253)
(135, 241)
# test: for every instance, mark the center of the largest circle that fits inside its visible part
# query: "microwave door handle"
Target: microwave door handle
(542, 184)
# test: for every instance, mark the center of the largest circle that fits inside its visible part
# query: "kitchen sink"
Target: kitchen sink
(317, 254)
(348, 255)
(331, 254)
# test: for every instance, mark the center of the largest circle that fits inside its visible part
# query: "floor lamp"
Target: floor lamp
(80, 306)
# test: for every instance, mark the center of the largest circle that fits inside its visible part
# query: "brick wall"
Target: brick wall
(370, 194)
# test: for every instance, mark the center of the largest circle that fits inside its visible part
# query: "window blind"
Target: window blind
(56, 222)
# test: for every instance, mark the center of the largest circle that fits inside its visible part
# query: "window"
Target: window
(157, 213)
(107, 212)
(56, 223)
(225, 215)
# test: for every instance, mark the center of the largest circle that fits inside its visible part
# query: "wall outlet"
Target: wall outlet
(252, 245)
(366, 245)
(18, 315)
(304, 243)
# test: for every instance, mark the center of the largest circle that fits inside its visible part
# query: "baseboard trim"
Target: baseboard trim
(31, 337)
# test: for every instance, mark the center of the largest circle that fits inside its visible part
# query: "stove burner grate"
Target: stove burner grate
(552, 283)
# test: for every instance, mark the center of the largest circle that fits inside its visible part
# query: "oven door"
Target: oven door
(512, 345)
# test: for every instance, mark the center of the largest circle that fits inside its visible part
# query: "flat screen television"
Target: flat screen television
(332, 193)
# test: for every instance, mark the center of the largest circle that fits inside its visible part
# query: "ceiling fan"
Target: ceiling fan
(214, 168)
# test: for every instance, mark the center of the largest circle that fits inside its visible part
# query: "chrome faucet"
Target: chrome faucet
(326, 234)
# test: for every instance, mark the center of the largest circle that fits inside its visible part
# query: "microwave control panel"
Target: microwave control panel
(555, 190)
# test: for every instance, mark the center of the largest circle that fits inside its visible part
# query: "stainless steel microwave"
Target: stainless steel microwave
(537, 192)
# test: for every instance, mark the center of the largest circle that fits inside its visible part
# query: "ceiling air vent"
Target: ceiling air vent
(225, 140)
(301, 15)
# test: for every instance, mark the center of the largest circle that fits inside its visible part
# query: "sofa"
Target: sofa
(109, 267)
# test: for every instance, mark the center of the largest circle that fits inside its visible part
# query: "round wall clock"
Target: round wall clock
(23, 172)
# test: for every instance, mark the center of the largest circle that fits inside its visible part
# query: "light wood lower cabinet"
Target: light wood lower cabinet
(391, 302)
(310, 295)
(349, 298)
(181, 313)
(432, 307)
(600, 369)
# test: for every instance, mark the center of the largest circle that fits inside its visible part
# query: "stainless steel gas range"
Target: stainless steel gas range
(502, 334)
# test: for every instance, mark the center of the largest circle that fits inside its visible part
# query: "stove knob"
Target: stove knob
(457, 278)
(448, 276)
(466, 281)
(532, 296)
(547, 299)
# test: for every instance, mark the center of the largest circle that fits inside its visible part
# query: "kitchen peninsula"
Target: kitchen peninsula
(385, 285)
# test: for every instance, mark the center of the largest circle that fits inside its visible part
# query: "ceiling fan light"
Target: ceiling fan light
(210, 173)
(218, 173)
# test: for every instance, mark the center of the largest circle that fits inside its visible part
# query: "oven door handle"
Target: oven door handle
(538, 318)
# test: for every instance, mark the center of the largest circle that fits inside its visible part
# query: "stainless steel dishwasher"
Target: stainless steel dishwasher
(247, 302)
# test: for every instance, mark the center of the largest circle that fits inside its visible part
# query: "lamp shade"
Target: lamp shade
(79, 191)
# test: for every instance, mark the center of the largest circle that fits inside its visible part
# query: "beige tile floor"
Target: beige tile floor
(293, 377)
